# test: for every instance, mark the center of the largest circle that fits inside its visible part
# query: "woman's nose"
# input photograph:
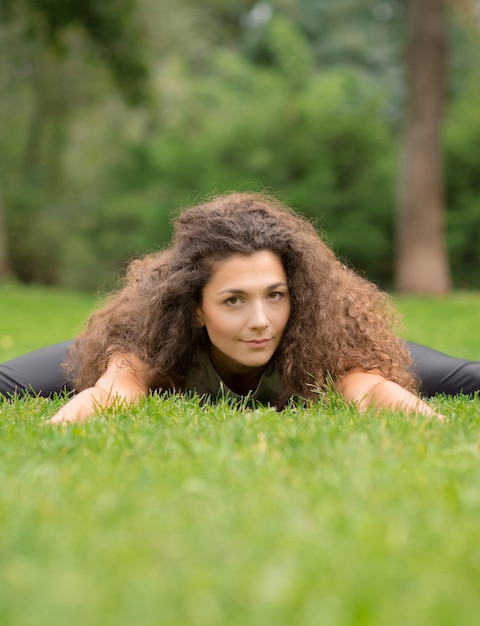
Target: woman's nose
(258, 316)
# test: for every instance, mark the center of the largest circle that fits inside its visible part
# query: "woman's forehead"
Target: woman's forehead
(241, 269)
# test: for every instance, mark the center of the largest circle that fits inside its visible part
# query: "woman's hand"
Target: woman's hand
(370, 389)
(126, 379)
(81, 406)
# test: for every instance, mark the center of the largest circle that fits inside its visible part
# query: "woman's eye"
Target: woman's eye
(275, 295)
(233, 300)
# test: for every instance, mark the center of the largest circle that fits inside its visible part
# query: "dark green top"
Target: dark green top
(203, 380)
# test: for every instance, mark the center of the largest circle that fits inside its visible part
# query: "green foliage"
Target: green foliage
(35, 238)
(300, 99)
(322, 145)
(104, 241)
(462, 138)
(110, 26)
(289, 51)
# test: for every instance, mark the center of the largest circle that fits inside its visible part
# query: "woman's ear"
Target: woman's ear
(198, 315)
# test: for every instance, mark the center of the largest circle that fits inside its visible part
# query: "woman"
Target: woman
(246, 301)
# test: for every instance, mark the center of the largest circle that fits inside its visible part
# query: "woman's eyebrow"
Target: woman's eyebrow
(242, 292)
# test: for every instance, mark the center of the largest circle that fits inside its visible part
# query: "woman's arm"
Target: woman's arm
(371, 389)
(126, 379)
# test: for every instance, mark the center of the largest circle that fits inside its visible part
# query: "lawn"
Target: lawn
(175, 514)
(448, 324)
(38, 316)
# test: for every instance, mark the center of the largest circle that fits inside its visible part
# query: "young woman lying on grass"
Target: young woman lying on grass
(246, 301)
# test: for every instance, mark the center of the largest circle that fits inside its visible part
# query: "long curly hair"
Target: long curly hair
(338, 319)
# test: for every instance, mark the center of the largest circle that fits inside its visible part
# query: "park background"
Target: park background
(117, 113)
(113, 114)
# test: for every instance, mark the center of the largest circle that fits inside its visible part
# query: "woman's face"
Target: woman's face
(245, 307)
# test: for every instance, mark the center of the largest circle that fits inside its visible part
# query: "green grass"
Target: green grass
(38, 316)
(175, 514)
(448, 324)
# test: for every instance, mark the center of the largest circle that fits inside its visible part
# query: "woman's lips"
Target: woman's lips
(257, 343)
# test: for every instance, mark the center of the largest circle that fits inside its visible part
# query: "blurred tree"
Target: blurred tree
(51, 37)
(421, 262)
(110, 26)
(302, 97)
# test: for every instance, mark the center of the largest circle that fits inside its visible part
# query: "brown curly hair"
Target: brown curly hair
(338, 319)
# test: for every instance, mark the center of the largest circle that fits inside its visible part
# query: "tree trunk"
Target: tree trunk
(421, 257)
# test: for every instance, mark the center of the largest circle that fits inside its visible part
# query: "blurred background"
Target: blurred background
(364, 115)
